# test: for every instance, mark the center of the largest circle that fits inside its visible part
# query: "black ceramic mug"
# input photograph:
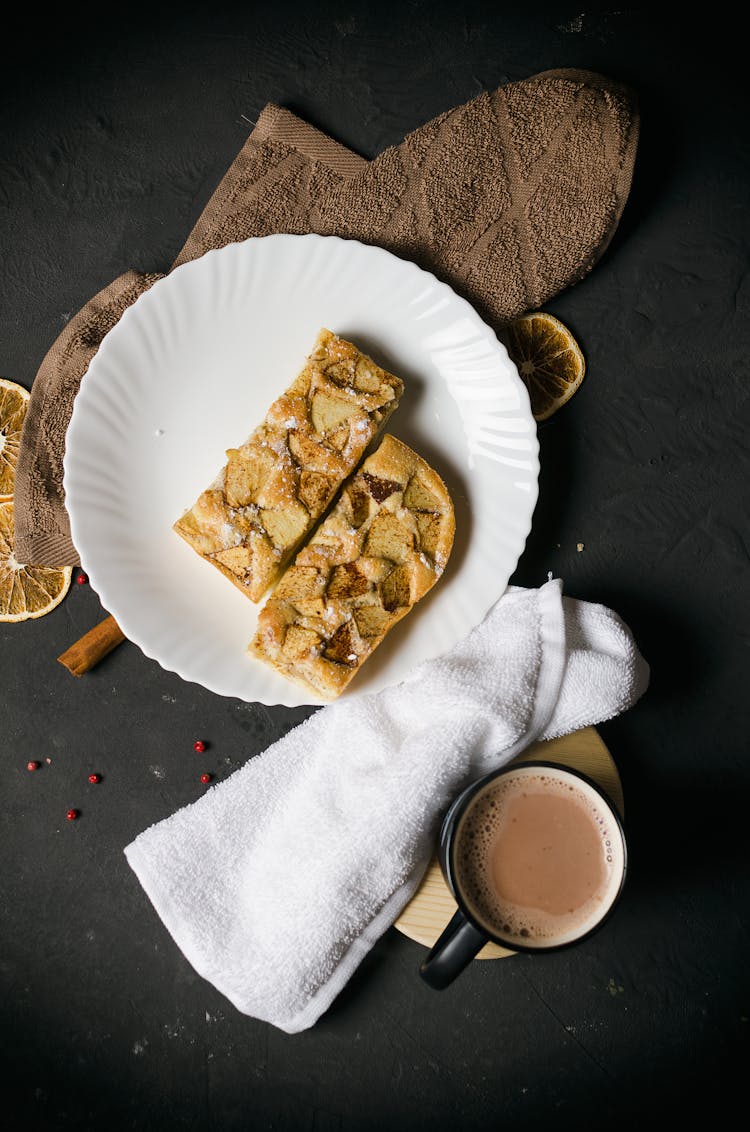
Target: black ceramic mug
(535, 857)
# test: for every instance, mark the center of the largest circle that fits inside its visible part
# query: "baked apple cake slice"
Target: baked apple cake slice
(274, 488)
(381, 548)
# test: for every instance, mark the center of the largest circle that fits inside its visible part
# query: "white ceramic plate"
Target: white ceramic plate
(189, 371)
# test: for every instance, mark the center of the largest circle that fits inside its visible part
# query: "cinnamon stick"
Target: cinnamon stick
(92, 647)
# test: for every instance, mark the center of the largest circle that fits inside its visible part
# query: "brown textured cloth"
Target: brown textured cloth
(509, 198)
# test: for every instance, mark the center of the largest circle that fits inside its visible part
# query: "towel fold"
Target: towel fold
(278, 881)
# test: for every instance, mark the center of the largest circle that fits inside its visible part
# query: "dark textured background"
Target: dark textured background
(113, 132)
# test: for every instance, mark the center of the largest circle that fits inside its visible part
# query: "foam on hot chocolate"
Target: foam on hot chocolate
(538, 857)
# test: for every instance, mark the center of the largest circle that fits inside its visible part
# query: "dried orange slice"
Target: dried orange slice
(14, 401)
(26, 591)
(548, 358)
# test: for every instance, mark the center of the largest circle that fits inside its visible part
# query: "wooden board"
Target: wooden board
(432, 905)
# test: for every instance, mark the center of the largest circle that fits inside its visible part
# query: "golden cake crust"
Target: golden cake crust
(274, 487)
(381, 548)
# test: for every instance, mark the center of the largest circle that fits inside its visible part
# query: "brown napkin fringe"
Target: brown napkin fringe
(510, 198)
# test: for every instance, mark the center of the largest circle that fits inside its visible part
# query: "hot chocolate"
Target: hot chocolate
(538, 857)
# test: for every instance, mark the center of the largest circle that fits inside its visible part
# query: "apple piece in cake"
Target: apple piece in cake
(381, 548)
(274, 488)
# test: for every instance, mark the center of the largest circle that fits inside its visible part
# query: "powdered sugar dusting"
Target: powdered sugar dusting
(229, 536)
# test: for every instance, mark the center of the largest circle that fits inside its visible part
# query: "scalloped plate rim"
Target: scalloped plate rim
(296, 696)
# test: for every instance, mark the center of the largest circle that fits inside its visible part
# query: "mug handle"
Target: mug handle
(454, 950)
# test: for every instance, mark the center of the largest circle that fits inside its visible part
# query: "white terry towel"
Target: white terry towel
(278, 881)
